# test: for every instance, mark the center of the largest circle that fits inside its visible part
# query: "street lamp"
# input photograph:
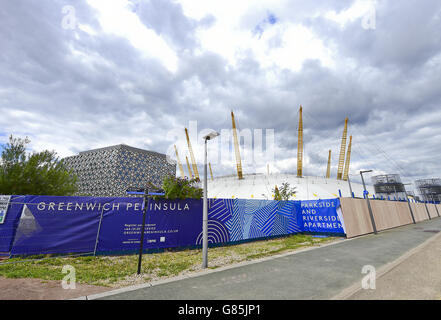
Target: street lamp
(362, 179)
(210, 136)
(367, 199)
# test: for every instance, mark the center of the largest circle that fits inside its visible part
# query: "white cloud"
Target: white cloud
(73, 90)
(232, 37)
(358, 10)
(116, 18)
(88, 29)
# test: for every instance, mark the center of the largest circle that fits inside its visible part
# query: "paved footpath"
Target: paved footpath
(321, 273)
(418, 277)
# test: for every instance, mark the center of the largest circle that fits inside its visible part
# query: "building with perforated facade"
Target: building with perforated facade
(110, 171)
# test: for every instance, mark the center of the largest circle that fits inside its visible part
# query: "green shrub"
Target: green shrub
(284, 193)
(178, 188)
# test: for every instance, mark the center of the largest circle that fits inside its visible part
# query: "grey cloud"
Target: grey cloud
(42, 75)
(168, 20)
(406, 35)
(114, 95)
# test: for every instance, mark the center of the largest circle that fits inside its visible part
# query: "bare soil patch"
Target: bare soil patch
(36, 289)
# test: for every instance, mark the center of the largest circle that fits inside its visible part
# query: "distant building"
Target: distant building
(110, 171)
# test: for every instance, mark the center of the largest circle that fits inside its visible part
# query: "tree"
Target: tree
(37, 173)
(284, 193)
(178, 188)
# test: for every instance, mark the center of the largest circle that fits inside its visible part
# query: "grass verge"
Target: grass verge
(119, 271)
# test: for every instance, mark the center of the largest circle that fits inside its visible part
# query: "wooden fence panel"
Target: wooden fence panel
(382, 215)
(419, 211)
(390, 214)
(356, 217)
(387, 215)
(404, 213)
(432, 210)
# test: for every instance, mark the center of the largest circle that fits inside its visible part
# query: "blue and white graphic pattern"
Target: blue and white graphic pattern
(217, 233)
(251, 219)
(43, 227)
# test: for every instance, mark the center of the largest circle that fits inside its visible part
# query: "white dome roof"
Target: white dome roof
(260, 186)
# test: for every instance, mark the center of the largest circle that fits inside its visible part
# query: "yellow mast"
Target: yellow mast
(300, 146)
(236, 147)
(348, 160)
(181, 168)
(193, 160)
(191, 176)
(328, 170)
(211, 171)
(341, 161)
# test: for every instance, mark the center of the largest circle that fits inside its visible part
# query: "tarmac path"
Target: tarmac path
(333, 271)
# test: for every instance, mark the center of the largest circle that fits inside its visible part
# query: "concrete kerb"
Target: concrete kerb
(356, 287)
(205, 272)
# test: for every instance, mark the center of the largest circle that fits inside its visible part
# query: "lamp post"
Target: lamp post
(368, 203)
(210, 136)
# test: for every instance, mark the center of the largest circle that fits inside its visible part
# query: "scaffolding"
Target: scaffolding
(389, 185)
(429, 189)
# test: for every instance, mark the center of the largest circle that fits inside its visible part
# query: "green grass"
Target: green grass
(115, 271)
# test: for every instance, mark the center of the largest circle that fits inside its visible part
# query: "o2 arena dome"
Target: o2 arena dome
(261, 186)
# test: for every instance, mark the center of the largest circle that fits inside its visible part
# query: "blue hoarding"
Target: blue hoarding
(57, 225)
(319, 216)
(168, 224)
(9, 225)
(240, 219)
(82, 224)
(71, 224)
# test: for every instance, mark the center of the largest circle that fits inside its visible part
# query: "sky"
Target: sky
(79, 75)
